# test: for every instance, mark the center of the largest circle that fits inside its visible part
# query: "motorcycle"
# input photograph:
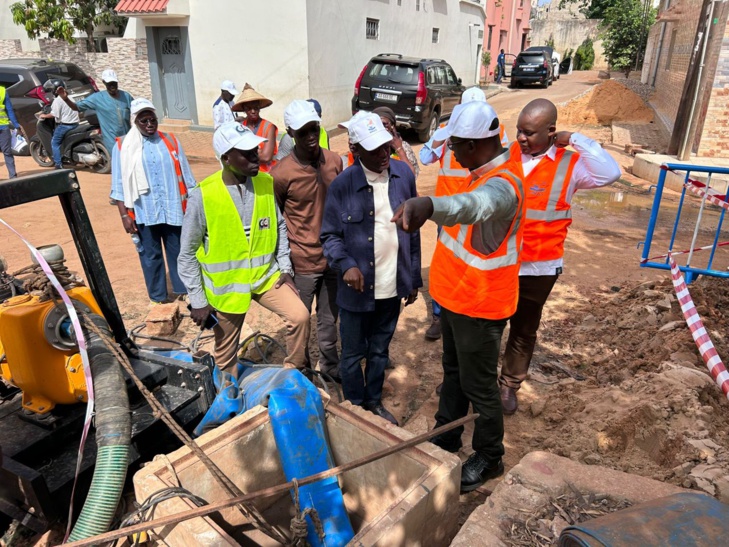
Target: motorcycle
(81, 147)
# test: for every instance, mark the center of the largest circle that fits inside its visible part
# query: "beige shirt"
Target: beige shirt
(386, 244)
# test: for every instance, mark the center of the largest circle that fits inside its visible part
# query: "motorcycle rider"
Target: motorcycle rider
(66, 118)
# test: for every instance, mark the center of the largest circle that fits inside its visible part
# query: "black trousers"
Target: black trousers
(470, 358)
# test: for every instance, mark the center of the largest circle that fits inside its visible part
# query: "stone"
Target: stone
(592, 459)
(672, 325)
(162, 320)
(537, 407)
(705, 451)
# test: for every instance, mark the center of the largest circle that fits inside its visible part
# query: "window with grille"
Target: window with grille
(480, 35)
(417, 5)
(373, 29)
(171, 46)
(436, 32)
(399, 2)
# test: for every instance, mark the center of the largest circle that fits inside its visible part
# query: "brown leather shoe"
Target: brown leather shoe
(434, 330)
(508, 400)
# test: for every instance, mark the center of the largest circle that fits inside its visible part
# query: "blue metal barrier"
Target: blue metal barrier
(690, 273)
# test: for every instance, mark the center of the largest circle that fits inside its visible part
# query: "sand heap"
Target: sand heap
(604, 104)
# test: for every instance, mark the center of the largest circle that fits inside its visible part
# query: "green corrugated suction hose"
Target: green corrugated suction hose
(113, 435)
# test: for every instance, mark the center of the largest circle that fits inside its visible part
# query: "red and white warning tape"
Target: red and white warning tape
(712, 195)
(698, 331)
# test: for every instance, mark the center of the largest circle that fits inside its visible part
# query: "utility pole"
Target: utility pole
(686, 106)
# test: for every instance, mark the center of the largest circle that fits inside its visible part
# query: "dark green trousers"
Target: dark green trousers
(470, 358)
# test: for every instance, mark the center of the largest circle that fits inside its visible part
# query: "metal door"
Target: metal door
(174, 79)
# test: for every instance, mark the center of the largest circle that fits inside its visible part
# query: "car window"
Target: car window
(536, 58)
(9, 79)
(440, 77)
(394, 73)
(69, 73)
(452, 80)
(431, 75)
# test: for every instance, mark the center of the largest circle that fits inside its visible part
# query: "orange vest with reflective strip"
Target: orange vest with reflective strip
(468, 280)
(171, 144)
(451, 173)
(549, 215)
(262, 132)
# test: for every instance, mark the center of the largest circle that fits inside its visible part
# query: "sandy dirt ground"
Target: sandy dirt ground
(616, 378)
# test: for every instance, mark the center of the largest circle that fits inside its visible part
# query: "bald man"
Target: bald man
(551, 176)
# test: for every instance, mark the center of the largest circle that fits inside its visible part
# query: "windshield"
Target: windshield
(535, 59)
(69, 73)
(393, 72)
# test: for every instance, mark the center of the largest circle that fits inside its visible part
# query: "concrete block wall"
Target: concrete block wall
(128, 57)
(568, 33)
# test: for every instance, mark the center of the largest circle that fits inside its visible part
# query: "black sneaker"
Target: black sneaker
(449, 445)
(379, 410)
(477, 470)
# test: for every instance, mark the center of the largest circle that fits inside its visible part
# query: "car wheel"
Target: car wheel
(425, 134)
(545, 83)
(39, 154)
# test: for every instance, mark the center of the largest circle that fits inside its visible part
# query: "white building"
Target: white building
(291, 49)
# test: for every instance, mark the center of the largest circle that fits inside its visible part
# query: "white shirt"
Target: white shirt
(222, 112)
(386, 244)
(63, 113)
(594, 169)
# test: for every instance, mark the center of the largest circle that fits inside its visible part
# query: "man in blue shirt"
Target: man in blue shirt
(377, 264)
(7, 122)
(501, 64)
(145, 184)
(112, 108)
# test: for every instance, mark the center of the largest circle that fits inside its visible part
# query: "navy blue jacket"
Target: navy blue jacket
(348, 230)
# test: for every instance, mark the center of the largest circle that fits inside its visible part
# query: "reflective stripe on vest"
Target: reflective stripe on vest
(549, 215)
(323, 138)
(4, 120)
(450, 175)
(474, 282)
(262, 131)
(235, 265)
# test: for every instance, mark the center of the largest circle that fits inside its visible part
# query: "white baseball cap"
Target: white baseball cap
(234, 135)
(298, 113)
(368, 131)
(141, 104)
(109, 76)
(357, 116)
(229, 86)
(469, 121)
(473, 94)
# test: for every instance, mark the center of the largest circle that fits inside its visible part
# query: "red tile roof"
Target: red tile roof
(141, 6)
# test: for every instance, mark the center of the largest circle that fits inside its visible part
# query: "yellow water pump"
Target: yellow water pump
(40, 349)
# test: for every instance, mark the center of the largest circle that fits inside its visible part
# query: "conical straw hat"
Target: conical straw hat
(249, 95)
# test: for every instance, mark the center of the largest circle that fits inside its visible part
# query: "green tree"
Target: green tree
(625, 33)
(61, 19)
(550, 41)
(585, 55)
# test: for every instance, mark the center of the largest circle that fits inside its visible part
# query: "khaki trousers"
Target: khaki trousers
(285, 303)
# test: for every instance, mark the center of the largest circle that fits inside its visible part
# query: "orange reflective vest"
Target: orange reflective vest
(172, 147)
(464, 277)
(451, 173)
(262, 132)
(549, 214)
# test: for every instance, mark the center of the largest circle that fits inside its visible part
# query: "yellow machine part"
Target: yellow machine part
(47, 372)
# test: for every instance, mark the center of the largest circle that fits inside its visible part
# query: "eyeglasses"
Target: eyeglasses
(451, 143)
(147, 121)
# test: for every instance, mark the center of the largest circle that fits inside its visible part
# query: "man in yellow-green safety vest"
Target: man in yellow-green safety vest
(234, 249)
(7, 122)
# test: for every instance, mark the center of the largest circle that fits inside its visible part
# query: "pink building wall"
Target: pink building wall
(507, 28)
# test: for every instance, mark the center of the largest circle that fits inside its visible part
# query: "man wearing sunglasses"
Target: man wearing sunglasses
(235, 249)
(301, 180)
(474, 276)
(150, 178)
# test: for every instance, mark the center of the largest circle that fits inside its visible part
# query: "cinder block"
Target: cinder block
(163, 319)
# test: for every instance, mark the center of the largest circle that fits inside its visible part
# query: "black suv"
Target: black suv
(23, 80)
(419, 91)
(532, 67)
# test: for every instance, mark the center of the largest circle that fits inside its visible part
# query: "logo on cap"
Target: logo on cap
(371, 126)
(241, 128)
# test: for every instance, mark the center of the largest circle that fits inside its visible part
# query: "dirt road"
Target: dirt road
(581, 328)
